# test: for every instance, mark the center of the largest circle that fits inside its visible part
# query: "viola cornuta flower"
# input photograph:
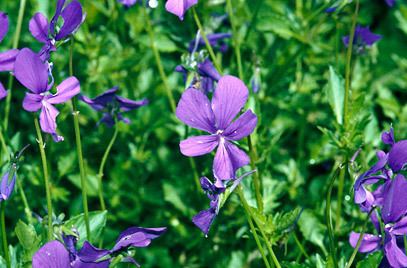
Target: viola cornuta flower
(216, 118)
(363, 38)
(66, 255)
(4, 24)
(216, 40)
(47, 32)
(34, 74)
(397, 158)
(179, 7)
(390, 3)
(215, 191)
(393, 215)
(8, 57)
(7, 186)
(113, 106)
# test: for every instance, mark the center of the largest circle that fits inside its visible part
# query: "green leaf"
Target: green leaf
(91, 183)
(97, 221)
(28, 238)
(312, 229)
(372, 260)
(171, 195)
(335, 92)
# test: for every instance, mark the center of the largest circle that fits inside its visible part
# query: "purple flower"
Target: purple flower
(363, 37)
(113, 106)
(216, 41)
(205, 78)
(390, 3)
(45, 32)
(7, 186)
(127, 3)
(57, 254)
(179, 7)
(330, 9)
(397, 157)
(34, 74)
(393, 215)
(216, 118)
(204, 219)
(8, 57)
(4, 25)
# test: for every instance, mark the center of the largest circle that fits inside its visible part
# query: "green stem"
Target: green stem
(332, 249)
(256, 176)
(252, 228)
(252, 150)
(340, 197)
(41, 146)
(205, 38)
(195, 171)
(27, 209)
(102, 166)
(82, 172)
(158, 61)
(263, 234)
(4, 234)
(235, 34)
(355, 251)
(15, 45)
(3, 142)
(300, 246)
(348, 66)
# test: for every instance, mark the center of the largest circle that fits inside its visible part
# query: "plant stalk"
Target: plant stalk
(4, 234)
(102, 166)
(79, 152)
(205, 38)
(41, 146)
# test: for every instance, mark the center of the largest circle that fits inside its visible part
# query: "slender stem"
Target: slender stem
(3, 142)
(252, 228)
(205, 38)
(15, 45)
(195, 171)
(341, 185)
(158, 61)
(102, 166)
(332, 249)
(4, 234)
(236, 43)
(41, 145)
(355, 251)
(263, 234)
(256, 175)
(27, 209)
(82, 172)
(300, 246)
(348, 66)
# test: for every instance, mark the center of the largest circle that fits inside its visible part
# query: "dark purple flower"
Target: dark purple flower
(204, 219)
(390, 3)
(179, 7)
(34, 74)
(363, 38)
(66, 255)
(397, 159)
(8, 57)
(7, 186)
(127, 3)
(216, 118)
(330, 9)
(216, 41)
(3, 92)
(256, 80)
(393, 215)
(45, 32)
(113, 106)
